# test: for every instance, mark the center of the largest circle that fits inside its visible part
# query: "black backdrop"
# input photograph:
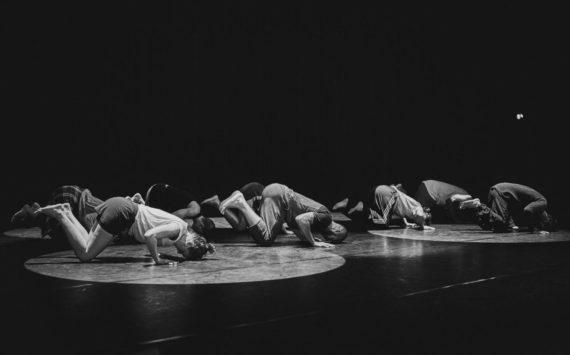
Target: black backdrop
(320, 96)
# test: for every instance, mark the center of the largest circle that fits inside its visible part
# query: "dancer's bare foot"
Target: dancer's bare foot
(66, 207)
(358, 208)
(468, 204)
(25, 216)
(233, 201)
(340, 204)
(460, 197)
(213, 201)
(137, 198)
(55, 211)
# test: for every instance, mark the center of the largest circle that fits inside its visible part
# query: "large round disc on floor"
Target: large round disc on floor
(232, 262)
(27, 233)
(467, 233)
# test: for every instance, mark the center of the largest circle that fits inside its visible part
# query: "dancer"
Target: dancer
(382, 204)
(443, 200)
(310, 221)
(118, 215)
(510, 204)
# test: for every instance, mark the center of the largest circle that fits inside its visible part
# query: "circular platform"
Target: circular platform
(232, 263)
(26, 233)
(472, 234)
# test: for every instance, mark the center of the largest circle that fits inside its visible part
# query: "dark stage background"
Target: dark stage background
(323, 97)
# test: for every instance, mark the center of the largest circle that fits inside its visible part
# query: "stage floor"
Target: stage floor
(452, 290)
(467, 233)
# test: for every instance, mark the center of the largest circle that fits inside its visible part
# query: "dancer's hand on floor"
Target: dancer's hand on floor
(323, 245)
(165, 262)
(285, 229)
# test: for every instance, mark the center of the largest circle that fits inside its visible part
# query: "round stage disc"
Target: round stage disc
(467, 233)
(232, 263)
(27, 233)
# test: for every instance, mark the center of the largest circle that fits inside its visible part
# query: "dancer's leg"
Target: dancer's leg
(264, 229)
(86, 245)
(237, 201)
(235, 219)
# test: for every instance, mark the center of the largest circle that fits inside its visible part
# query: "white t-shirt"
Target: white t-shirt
(149, 217)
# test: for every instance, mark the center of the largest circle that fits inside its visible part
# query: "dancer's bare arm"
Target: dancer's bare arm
(286, 230)
(304, 222)
(153, 235)
(409, 224)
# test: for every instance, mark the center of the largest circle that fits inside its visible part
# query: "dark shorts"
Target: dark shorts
(117, 214)
(251, 190)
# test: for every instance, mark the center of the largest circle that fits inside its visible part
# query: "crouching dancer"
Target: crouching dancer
(280, 204)
(384, 203)
(119, 215)
(510, 204)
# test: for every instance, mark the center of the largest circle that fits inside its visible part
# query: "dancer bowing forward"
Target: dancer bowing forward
(309, 220)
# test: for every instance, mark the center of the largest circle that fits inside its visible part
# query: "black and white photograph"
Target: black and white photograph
(260, 177)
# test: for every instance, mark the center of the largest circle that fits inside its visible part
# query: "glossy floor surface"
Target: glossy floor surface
(390, 295)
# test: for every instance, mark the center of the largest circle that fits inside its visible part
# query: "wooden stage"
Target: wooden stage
(453, 290)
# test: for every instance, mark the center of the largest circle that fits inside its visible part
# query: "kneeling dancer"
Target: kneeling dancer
(280, 204)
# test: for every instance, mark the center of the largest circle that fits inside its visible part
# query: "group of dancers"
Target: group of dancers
(170, 216)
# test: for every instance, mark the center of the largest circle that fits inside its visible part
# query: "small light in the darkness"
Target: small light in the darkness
(519, 116)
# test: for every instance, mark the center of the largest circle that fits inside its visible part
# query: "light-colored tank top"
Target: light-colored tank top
(149, 217)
